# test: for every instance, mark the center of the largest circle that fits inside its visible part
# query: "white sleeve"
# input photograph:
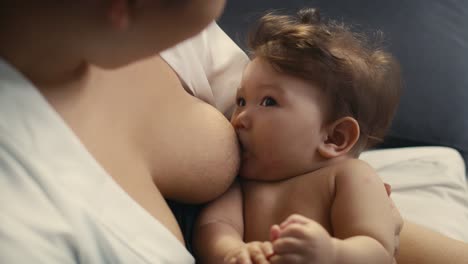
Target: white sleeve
(210, 65)
(224, 65)
(31, 230)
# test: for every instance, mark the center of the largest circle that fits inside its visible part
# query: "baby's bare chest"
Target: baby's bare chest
(266, 204)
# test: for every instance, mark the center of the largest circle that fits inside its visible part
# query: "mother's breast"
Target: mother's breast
(153, 138)
(195, 153)
(192, 148)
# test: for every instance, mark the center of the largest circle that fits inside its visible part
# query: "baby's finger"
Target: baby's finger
(286, 259)
(256, 255)
(242, 258)
(295, 218)
(230, 259)
(267, 249)
(294, 230)
(274, 232)
(259, 259)
(287, 245)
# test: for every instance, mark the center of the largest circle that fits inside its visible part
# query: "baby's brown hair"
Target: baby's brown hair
(360, 80)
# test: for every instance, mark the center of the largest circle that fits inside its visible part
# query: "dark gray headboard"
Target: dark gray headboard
(429, 38)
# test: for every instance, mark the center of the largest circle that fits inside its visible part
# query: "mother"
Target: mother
(97, 129)
(123, 117)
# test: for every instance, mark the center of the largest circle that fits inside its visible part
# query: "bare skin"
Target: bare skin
(324, 195)
(146, 137)
(278, 200)
(420, 245)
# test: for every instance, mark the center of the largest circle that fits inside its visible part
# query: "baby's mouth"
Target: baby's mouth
(241, 147)
(244, 152)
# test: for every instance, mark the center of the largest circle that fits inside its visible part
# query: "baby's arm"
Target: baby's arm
(219, 232)
(363, 217)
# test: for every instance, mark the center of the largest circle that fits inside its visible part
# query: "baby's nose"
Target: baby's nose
(241, 121)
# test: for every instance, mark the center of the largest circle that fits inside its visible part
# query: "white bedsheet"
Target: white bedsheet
(428, 186)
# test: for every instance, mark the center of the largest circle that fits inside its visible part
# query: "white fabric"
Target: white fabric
(57, 205)
(428, 186)
(211, 66)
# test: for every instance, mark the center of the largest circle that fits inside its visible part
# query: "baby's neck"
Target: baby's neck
(315, 166)
(334, 161)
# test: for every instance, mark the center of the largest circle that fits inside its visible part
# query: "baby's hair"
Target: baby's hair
(360, 80)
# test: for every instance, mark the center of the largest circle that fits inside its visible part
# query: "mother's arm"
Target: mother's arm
(422, 245)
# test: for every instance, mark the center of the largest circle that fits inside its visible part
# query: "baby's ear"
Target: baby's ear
(341, 136)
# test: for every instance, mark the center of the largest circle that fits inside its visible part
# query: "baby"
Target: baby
(312, 99)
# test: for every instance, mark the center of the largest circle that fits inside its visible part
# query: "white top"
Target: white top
(57, 204)
(210, 66)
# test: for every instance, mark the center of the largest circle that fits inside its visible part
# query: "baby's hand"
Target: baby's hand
(251, 253)
(301, 240)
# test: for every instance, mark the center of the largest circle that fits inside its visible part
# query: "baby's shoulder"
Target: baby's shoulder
(353, 164)
(355, 169)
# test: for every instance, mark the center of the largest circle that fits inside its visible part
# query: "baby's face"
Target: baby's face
(279, 122)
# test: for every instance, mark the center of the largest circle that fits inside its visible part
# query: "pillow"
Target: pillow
(428, 186)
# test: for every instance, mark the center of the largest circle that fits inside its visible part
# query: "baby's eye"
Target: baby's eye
(240, 101)
(268, 101)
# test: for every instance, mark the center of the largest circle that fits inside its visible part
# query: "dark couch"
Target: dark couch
(429, 38)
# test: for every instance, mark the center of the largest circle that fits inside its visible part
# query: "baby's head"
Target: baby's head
(314, 91)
